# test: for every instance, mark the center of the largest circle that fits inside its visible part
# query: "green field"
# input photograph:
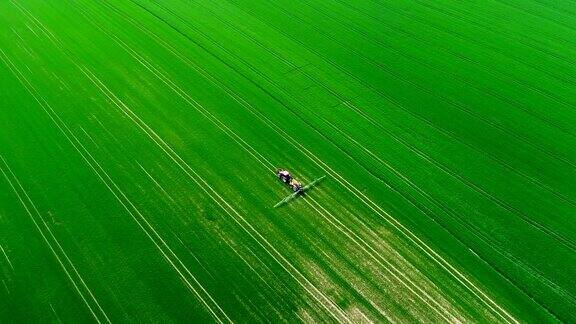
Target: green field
(139, 139)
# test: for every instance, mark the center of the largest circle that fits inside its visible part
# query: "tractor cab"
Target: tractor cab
(284, 176)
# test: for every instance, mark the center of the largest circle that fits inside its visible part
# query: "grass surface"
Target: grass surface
(138, 141)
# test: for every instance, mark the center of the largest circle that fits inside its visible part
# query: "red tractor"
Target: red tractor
(285, 177)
